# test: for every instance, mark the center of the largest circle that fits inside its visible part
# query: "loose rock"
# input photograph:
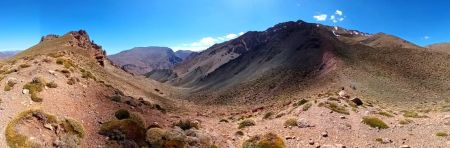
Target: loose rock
(324, 134)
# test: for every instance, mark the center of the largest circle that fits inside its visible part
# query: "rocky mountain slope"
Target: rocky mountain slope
(299, 59)
(141, 60)
(183, 54)
(64, 92)
(440, 47)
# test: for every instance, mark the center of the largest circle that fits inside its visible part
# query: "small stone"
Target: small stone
(405, 146)
(289, 137)
(343, 94)
(340, 146)
(48, 126)
(311, 142)
(357, 101)
(58, 143)
(386, 140)
(25, 91)
(342, 117)
(52, 72)
(324, 134)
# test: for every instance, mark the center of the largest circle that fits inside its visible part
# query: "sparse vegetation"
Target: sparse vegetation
(74, 127)
(116, 98)
(268, 115)
(291, 122)
(375, 122)
(385, 114)
(412, 114)
(306, 106)
(9, 85)
(51, 85)
(35, 86)
(72, 81)
(87, 74)
(442, 134)
(335, 107)
(299, 103)
(268, 140)
(56, 54)
(246, 123)
(132, 128)
(187, 124)
(73, 130)
(239, 133)
(24, 66)
(405, 121)
(122, 114)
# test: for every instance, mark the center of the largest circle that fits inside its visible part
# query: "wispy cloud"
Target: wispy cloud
(206, 42)
(426, 37)
(320, 17)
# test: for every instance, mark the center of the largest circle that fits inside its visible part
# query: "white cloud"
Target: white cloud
(426, 37)
(338, 12)
(321, 17)
(231, 36)
(337, 17)
(206, 42)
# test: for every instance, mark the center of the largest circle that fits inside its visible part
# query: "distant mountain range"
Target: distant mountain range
(297, 57)
(7, 54)
(141, 60)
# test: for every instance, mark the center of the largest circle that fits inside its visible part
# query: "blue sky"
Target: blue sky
(196, 24)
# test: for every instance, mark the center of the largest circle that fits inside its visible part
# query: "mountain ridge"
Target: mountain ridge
(141, 60)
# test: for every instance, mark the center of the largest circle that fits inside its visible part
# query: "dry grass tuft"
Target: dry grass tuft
(375, 122)
(269, 140)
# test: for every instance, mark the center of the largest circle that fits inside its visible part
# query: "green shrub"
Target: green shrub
(24, 65)
(299, 103)
(291, 122)
(239, 133)
(268, 140)
(441, 134)
(75, 127)
(87, 74)
(60, 61)
(187, 124)
(268, 115)
(246, 122)
(35, 86)
(123, 129)
(375, 122)
(9, 85)
(122, 114)
(51, 85)
(56, 54)
(116, 98)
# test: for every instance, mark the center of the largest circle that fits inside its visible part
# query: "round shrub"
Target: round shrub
(122, 114)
